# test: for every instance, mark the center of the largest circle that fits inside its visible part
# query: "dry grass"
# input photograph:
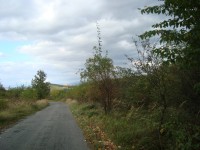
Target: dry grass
(42, 103)
(71, 101)
(17, 110)
(95, 136)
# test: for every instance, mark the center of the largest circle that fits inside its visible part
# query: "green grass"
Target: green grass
(135, 129)
(117, 130)
(17, 110)
(86, 116)
(58, 87)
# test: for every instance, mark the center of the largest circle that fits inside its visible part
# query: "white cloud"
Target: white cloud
(63, 33)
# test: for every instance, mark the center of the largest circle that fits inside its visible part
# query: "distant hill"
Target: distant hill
(59, 87)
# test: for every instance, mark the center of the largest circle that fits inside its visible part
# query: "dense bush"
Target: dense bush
(15, 92)
(21, 93)
(79, 92)
(58, 94)
(28, 94)
(138, 101)
(40, 85)
(3, 104)
(13, 111)
(2, 91)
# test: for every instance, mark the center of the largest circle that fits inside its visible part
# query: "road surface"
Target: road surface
(53, 128)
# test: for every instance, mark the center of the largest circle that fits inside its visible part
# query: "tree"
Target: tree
(184, 29)
(179, 38)
(2, 90)
(151, 66)
(99, 70)
(179, 45)
(38, 83)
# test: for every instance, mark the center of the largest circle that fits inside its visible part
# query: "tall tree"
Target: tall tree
(42, 87)
(99, 70)
(179, 38)
(2, 90)
(182, 28)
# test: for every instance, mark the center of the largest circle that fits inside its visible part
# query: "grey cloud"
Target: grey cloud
(16, 9)
(63, 33)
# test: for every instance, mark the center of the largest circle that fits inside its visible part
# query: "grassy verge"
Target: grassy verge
(11, 112)
(117, 130)
(86, 116)
(134, 129)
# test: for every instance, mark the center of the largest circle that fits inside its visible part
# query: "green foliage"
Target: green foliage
(3, 104)
(21, 93)
(58, 94)
(28, 94)
(181, 131)
(182, 29)
(15, 92)
(14, 111)
(38, 83)
(99, 70)
(150, 107)
(155, 103)
(184, 16)
(2, 91)
(79, 92)
(197, 88)
(180, 36)
(137, 128)
(132, 90)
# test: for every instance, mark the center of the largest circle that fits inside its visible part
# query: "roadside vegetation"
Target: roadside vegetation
(152, 105)
(18, 102)
(155, 103)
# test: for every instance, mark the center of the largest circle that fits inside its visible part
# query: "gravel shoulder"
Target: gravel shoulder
(53, 128)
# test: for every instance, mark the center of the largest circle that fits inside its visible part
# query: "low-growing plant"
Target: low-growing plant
(41, 103)
(137, 128)
(2, 91)
(28, 94)
(3, 104)
(57, 94)
(79, 92)
(18, 110)
(15, 92)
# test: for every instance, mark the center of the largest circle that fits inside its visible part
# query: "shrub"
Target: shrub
(58, 94)
(41, 103)
(14, 93)
(3, 104)
(2, 91)
(39, 84)
(28, 94)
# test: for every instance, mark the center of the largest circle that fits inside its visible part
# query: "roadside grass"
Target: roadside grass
(135, 129)
(116, 130)
(91, 126)
(12, 111)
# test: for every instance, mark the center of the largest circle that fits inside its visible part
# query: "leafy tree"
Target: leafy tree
(28, 93)
(2, 90)
(1, 87)
(184, 29)
(99, 70)
(180, 36)
(152, 66)
(15, 92)
(38, 83)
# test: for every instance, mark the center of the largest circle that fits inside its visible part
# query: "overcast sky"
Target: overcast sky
(57, 36)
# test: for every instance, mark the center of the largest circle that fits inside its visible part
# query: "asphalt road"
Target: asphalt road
(53, 128)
